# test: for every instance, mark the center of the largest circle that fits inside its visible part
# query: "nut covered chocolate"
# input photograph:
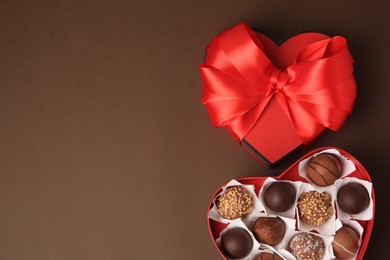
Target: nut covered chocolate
(235, 202)
(315, 208)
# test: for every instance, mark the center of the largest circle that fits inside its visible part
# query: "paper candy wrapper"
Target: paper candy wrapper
(257, 207)
(367, 213)
(238, 223)
(287, 214)
(266, 249)
(329, 227)
(289, 224)
(353, 224)
(327, 243)
(348, 167)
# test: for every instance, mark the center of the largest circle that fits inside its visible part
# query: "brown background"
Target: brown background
(105, 149)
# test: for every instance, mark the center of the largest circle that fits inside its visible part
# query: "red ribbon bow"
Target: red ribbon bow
(317, 90)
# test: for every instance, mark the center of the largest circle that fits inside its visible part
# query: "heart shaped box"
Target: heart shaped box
(274, 137)
(291, 174)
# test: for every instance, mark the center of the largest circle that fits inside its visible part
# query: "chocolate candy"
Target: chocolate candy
(307, 246)
(268, 256)
(279, 196)
(324, 169)
(269, 230)
(236, 243)
(315, 208)
(235, 202)
(353, 198)
(345, 243)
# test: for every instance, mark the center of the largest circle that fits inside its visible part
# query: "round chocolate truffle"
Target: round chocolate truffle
(324, 169)
(269, 230)
(345, 243)
(268, 256)
(236, 243)
(279, 196)
(235, 202)
(353, 198)
(315, 208)
(307, 246)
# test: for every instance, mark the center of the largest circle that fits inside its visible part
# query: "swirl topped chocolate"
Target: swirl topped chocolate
(324, 169)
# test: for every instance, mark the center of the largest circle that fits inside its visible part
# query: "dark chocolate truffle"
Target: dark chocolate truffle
(345, 243)
(324, 169)
(279, 196)
(235, 202)
(269, 230)
(268, 256)
(307, 246)
(315, 208)
(236, 243)
(353, 198)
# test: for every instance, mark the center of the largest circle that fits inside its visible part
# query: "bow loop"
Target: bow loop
(317, 90)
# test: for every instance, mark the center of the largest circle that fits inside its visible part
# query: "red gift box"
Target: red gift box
(276, 97)
(291, 174)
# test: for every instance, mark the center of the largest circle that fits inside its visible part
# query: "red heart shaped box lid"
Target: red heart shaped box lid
(274, 137)
(291, 173)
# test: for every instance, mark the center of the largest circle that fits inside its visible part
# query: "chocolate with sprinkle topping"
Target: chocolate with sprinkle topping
(306, 246)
